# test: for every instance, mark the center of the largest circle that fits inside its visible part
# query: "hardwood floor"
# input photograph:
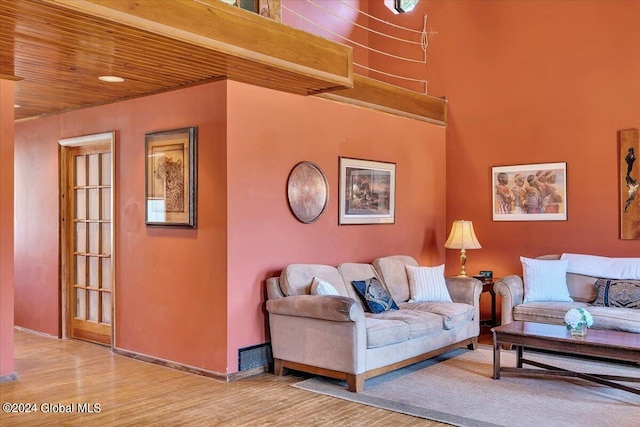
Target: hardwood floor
(53, 374)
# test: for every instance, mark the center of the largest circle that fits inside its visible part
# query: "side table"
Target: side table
(487, 286)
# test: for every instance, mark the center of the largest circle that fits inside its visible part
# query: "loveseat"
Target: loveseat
(607, 287)
(336, 336)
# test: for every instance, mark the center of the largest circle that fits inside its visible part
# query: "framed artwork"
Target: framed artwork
(629, 149)
(307, 191)
(170, 178)
(534, 192)
(367, 192)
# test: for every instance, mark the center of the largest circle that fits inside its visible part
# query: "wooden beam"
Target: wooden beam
(381, 96)
(232, 31)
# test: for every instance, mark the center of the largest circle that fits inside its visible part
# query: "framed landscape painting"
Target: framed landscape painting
(533, 192)
(367, 192)
(171, 178)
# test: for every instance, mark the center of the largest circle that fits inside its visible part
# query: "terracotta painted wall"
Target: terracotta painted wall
(170, 284)
(269, 133)
(534, 82)
(197, 296)
(6, 228)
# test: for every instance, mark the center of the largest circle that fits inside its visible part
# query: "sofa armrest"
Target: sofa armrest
(324, 307)
(464, 289)
(511, 289)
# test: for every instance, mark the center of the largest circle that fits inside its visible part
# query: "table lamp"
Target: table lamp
(462, 237)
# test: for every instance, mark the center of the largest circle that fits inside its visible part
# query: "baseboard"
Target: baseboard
(42, 334)
(191, 369)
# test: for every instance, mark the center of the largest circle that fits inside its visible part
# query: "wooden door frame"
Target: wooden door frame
(66, 144)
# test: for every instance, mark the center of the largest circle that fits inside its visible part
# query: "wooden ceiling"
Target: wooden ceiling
(57, 49)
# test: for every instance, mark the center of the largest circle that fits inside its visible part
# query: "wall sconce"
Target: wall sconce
(462, 237)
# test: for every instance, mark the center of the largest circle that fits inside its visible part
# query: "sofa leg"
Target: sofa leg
(474, 344)
(355, 383)
(278, 368)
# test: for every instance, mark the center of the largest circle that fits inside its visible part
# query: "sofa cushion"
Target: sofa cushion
(427, 284)
(296, 279)
(381, 332)
(616, 318)
(322, 287)
(618, 293)
(545, 312)
(392, 271)
(374, 296)
(545, 280)
(453, 314)
(420, 323)
(612, 318)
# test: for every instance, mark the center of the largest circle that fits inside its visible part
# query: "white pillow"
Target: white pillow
(427, 284)
(545, 280)
(322, 287)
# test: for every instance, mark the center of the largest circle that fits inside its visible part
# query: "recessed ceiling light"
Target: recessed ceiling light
(111, 79)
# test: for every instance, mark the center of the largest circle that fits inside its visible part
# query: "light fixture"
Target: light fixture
(111, 79)
(400, 6)
(462, 237)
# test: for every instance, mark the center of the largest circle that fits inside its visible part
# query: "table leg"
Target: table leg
(496, 358)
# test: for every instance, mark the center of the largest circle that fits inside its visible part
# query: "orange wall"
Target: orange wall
(6, 228)
(535, 82)
(197, 296)
(170, 284)
(270, 132)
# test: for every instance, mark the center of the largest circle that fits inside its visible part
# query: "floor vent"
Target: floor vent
(255, 356)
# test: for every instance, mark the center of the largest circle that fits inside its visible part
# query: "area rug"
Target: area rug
(457, 389)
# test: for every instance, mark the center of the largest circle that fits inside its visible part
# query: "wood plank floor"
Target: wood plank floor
(135, 393)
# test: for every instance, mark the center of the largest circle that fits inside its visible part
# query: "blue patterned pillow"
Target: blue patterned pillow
(618, 293)
(374, 295)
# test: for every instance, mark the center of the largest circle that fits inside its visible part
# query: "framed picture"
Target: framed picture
(628, 152)
(534, 192)
(367, 192)
(170, 175)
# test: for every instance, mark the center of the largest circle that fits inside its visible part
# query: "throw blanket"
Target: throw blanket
(603, 267)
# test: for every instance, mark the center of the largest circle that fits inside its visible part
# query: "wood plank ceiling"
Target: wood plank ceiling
(56, 49)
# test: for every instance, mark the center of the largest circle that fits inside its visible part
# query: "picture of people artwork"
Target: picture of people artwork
(533, 192)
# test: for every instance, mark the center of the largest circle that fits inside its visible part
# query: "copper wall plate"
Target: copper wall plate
(308, 191)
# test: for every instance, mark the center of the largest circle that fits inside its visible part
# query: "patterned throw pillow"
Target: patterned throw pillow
(618, 293)
(374, 295)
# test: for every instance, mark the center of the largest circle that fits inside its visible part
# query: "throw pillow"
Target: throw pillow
(374, 296)
(545, 280)
(322, 287)
(427, 284)
(618, 293)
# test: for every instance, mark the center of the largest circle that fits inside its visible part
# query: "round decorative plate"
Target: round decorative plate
(308, 191)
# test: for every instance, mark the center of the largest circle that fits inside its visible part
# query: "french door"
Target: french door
(87, 261)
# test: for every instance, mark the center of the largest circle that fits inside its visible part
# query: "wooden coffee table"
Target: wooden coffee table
(612, 345)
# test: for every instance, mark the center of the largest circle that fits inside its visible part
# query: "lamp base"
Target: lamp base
(463, 261)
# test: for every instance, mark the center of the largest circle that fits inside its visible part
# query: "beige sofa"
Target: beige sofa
(582, 290)
(334, 336)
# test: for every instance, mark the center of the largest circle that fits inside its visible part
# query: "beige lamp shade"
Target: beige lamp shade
(462, 237)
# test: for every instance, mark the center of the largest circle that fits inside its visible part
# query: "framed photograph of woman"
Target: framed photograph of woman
(533, 192)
